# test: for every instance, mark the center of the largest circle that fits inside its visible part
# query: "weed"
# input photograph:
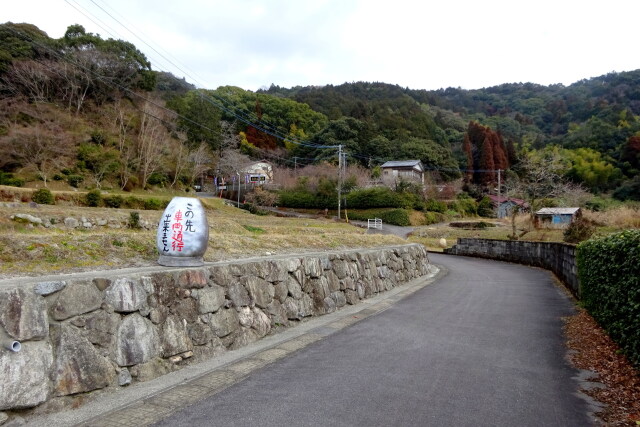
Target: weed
(256, 230)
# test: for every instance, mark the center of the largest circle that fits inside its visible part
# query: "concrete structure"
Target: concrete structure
(408, 170)
(560, 258)
(259, 172)
(88, 331)
(503, 206)
(556, 217)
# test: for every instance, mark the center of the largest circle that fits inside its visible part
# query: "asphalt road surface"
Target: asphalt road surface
(483, 346)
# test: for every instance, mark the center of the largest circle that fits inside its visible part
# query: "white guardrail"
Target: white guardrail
(374, 223)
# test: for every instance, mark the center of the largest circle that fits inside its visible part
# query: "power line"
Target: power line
(254, 121)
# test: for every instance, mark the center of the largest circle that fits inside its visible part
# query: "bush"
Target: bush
(114, 201)
(376, 197)
(134, 220)
(300, 199)
(579, 230)
(609, 273)
(261, 197)
(433, 217)
(93, 198)
(465, 207)
(75, 180)
(158, 178)
(8, 179)
(153, 204)
(485, 208)
(43, 196)
(433, 205)
(132, 202)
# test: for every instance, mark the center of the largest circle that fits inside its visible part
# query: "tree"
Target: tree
(98, 160)
(151, 143)
(43, 148)
(486, 152)
(199, 160)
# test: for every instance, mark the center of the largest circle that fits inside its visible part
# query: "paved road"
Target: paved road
(481, 347)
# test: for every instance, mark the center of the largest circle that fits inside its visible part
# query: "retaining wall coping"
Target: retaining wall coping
(13, 282)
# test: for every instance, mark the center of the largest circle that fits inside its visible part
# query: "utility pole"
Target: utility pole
(339, 178)
(295, 163)
(499, 183)
(238, 173)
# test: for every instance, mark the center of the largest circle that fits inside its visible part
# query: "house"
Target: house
(258, 172)
(408, 170)
(503, 206)
(556, 217)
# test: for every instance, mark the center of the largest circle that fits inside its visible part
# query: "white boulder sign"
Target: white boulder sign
(183, 233)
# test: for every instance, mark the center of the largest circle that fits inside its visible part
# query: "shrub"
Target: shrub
(114, 201)
(609, 273)
(433, 205)
(376, 197)
(93, 198)
(8, 179)
(133, 202)
(75, 180)
(433, 217)
(153, 204)
(299, 199)
(579, 230)
(158, 178)
(134, 220)
(261, 197)
(485, 207)
(43, 196)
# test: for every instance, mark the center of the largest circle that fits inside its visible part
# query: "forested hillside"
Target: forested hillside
(91, 112)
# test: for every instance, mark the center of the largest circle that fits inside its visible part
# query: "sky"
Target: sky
(428, 44)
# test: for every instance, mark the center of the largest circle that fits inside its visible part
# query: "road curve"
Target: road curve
(483, 346)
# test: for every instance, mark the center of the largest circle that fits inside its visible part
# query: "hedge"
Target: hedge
(609, 273)
(302, 200)
(377, 197)
(388, 216)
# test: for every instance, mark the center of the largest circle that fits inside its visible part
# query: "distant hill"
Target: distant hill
(106, 118)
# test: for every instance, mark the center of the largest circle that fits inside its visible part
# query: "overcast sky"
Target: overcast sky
(427, 44)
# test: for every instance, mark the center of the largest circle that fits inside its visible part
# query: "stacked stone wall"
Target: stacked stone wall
(560, 258)
(81, 333)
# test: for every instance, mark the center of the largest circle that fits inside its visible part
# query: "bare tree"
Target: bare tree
(152, 141)
(199, 161)
(31, 79)
(42, 148)
(178, 157)
(121, 126)
(538, 178)
(232, 161)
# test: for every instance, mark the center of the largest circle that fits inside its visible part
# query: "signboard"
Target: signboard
(183, 233)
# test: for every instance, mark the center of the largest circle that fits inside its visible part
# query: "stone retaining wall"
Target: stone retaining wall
(560, 258)
(81, 333)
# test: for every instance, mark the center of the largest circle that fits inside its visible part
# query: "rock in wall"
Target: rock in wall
(80, 335)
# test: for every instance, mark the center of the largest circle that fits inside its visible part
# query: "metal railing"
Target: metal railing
(374, 223)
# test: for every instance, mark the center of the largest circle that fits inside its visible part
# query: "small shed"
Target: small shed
(556, 217)
(408, 170)
(503, 206)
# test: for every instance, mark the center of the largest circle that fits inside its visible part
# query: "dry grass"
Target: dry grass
(622, 217)
(234, 233)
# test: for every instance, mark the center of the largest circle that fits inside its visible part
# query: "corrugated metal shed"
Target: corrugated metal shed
(402, 164)
(557, 211)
